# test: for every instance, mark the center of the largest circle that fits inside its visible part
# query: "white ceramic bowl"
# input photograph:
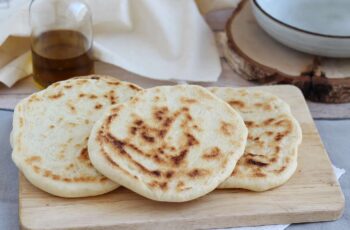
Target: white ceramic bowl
(320, 27)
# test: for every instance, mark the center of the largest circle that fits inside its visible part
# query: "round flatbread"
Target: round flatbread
(51, 130)
(169, 143)
(274, 135)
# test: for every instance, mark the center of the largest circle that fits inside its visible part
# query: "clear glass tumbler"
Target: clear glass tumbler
(61, 40)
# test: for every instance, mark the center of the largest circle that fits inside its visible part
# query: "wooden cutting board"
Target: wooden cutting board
(312, 194)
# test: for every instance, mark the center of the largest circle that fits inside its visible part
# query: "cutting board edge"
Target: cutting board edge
(237, 221)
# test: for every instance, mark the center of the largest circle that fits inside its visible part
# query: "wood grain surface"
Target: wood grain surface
(312, 194)
(258, 57)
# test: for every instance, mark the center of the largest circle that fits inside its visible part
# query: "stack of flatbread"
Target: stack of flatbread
(89, 135)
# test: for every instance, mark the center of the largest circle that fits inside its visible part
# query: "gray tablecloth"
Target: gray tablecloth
(335, 135)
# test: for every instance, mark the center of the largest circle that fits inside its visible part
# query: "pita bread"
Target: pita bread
(270, 157)
(51, 130)
(169, 143)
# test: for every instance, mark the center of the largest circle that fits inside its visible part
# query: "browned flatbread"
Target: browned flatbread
(270, 157)
(169, 143)
(51, 130)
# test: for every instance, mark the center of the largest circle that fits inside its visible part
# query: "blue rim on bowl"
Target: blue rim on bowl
(296, 28)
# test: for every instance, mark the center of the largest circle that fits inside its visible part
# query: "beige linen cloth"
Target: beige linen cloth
(158, 39)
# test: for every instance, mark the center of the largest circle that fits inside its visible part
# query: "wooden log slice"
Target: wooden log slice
(258, 57)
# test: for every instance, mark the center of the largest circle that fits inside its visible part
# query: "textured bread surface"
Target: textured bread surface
(270, 156)
(51, 130)
(169, 143)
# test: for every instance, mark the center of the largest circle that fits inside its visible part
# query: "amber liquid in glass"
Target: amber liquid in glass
(60, 54)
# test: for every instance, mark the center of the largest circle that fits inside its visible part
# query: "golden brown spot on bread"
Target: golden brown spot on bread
(112, 98)
(98, 106)
(131, 86)
(71, 107)
(70, 166)
(92, 96)
(84, 179)
(110, 119)
(282, 122)
(269, 133)
(169, 174)
(60, 156)
(82, 95)
(287, 160)
(138, 122)
(267, 107)
(191, 140)
(226, 128)
(177, 160)
(237, 104)
(133, 130)
(147, 137)
(72, 124)
(235, 171)
(47, 173)
(36, 169)
(214, 153)
(188, 100)
(269, 121)
(84, 155)
(156, 173)
(280, 170)
(115, 110)
(55, 177)
(82, 81)
(249, 123)
(32, 159)
(51, 126)
(273, 160)
(279, 136)
(277, 149)
(157, 158)
(181, 186)
(33, 98)
(67, 180)
(162, 133)
(160, 113)
(105, 179)
(21, 122)
(113, 83)
(56, 96)
(259, 174)
(184, 109)
(198, 173)
(95, 77)
(120, 147)
(67, 86)
(161, 185)
(114, 164)
(256, 163)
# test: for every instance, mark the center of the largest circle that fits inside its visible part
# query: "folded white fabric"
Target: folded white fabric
(159, 39)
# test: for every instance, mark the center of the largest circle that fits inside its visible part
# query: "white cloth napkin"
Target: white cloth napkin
(158, 39)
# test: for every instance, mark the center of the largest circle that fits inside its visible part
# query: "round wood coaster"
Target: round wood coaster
(258, 57)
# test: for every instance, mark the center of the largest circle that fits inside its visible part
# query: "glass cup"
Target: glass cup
(61, 40)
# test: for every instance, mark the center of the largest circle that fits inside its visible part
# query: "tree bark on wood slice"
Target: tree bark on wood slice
(258, 57)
